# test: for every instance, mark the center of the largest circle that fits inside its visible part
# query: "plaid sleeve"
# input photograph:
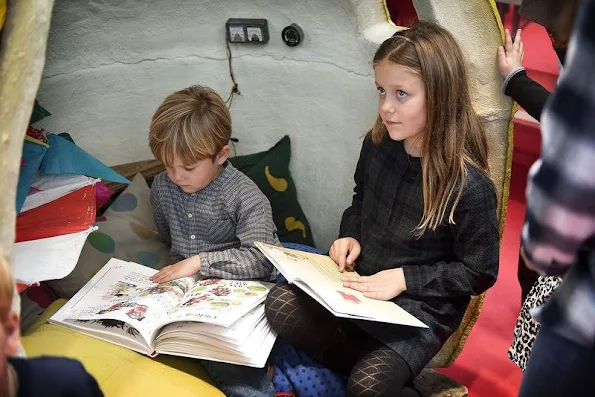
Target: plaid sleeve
(561, 188)
(160, 220)
(476, 248)
(352, 217)
(254, 223)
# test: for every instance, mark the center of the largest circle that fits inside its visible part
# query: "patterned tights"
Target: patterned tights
(339, 344)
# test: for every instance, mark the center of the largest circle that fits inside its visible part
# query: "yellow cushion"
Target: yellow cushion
(119, 371)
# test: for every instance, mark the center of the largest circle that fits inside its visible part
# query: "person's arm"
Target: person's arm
(160, 220)
(351, 222)
(517, 84)
(528, 93)
(476, 246)
(561, 189)
(254, 223)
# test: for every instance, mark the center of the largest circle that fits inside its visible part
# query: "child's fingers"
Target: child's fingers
(508, 42)
(501, 55)
(517, 37)
(353, 253)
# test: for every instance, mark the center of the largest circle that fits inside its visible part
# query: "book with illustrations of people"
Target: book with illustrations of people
(211, 319)
(319, 276)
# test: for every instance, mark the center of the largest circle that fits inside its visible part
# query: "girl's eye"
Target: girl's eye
(189, 169)
(401, 94)
(380, 90)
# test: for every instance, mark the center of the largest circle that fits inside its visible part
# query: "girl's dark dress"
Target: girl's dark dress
(442, 268)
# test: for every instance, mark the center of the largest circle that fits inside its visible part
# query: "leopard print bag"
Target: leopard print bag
(526, 327)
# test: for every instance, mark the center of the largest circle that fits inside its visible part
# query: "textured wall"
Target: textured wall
(111, 62)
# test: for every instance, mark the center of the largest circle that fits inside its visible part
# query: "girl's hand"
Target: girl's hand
(344, 252)
(510, 57)
(185, 268)
(384, 285)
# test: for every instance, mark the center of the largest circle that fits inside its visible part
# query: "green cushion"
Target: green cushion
(270, 171)
(39, 113)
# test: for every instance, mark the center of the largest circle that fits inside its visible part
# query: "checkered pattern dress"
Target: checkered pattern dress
(219, 223)
(443, 268)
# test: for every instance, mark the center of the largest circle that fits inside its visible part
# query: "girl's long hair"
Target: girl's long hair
(454, 137)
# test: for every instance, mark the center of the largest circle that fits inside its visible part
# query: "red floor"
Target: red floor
(483, 366)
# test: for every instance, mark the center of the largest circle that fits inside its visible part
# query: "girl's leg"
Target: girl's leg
(381, 372)
(308, 326)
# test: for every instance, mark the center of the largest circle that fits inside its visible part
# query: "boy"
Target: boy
(208, 212)
(42, 376)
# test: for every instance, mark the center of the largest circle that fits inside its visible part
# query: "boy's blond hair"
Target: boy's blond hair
(192, 124)
(6, 288)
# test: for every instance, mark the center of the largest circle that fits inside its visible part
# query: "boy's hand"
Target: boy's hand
(384, 285)
(344, 252)
(510, 56)
(187, 267)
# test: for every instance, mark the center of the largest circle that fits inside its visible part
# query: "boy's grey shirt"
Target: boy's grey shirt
(219, 223)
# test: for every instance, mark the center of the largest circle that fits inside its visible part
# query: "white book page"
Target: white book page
(260, 343)
(236, 334)
(50, 258)
(54, 186)
(319, 276)
(218, 302)
(122, 291)
(113, 331)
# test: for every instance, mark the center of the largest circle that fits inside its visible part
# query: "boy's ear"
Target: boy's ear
(223, 155)
(13, 334)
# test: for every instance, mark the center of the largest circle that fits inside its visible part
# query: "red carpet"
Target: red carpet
(483, 366)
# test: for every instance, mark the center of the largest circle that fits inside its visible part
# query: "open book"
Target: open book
(211, 319)
(319, 277)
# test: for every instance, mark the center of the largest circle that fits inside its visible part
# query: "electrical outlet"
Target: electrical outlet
(243, 30)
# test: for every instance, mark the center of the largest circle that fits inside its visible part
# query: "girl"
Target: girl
(422, 230)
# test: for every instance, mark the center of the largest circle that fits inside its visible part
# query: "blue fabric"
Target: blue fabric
(294, 371)
(64, 157)
(302, 247)
(32, 156)
(54, 377)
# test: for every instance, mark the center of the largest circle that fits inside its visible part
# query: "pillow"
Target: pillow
(39, 113)
(270, 171)
(127, 231)
(33, 153)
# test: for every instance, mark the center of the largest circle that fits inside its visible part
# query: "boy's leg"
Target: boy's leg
(238, 380)
(307, 325)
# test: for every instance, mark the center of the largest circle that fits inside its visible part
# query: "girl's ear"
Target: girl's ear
(12, 334)
(223, 155)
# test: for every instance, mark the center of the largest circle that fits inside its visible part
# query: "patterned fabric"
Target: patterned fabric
(338, 344)
(443, 268)
(526, 328)
(220, 223)
(560, 224)
(294, 372)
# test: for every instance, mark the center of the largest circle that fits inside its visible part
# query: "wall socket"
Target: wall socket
(245, 30)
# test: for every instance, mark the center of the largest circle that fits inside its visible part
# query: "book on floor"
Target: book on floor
(211, 319)
(319, 276)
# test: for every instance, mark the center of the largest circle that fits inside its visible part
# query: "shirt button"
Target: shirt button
(192, 237)
(189, 215)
